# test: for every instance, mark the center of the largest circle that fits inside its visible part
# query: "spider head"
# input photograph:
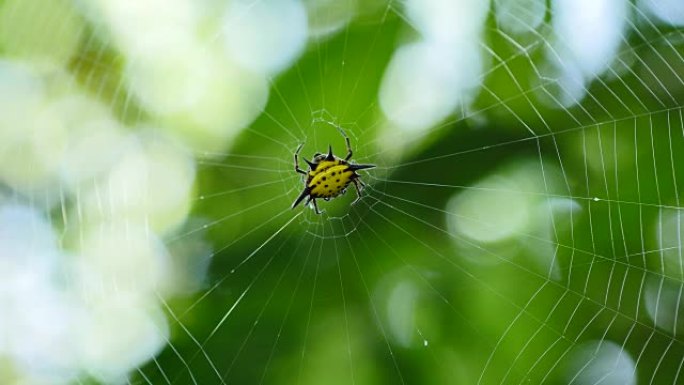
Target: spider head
(318, 157)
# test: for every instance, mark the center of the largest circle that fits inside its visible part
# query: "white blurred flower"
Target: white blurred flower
(508, 212)
(669, 232)
(265, 36)
(603, 362)
(448, 21)
(327, 17)
(664, 299)
(668, 11)
(181, 76)
(90, 301)
(121, 334)
(519, 16)
(122, 257)
(150, 184)
(587, 37)
(427, 80)
(40, 319)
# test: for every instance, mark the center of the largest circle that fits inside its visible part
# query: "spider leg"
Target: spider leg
(313, 201)
(358, 190)
(296, 160)
(346, 140)
(349, 149)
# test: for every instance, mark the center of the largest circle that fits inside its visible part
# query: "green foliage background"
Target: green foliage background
(292, 297)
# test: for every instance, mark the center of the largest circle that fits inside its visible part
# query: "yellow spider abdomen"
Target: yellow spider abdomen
(330, 182)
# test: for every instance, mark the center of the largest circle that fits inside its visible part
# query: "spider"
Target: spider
(329, 176)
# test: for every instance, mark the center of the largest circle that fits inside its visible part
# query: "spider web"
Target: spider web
(530, 235)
